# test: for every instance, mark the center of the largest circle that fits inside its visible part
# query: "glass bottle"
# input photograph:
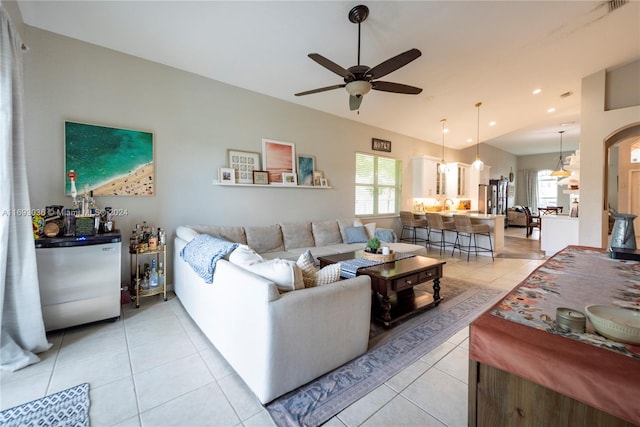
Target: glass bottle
(153, 275)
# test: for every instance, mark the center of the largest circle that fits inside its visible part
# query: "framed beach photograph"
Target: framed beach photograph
(317, 176)
(227, 176)
(109, 161)
(289, 178)
(305, 169)
(244, 163)
(278, 157)
(261, 177)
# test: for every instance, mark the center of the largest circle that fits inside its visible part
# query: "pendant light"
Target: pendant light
(443, 168)
(477, 163)
(560, 171)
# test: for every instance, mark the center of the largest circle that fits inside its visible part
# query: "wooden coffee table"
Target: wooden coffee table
(392, 283)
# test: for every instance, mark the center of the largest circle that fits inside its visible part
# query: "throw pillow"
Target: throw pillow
(243, 255)
(283, 272)
(356, 235)
(370, 227)
(307, 264)
(328, 274)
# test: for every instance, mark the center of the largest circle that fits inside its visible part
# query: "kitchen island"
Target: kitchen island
(495, 222)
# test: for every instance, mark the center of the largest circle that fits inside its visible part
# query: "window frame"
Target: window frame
(544, 175)
(376, 186)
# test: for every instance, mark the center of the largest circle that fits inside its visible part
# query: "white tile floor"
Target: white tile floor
(153, 367)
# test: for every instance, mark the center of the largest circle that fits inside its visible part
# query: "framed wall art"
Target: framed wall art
(244, 163)
(289, 178)
(260, 177)
(109, 161)
(278, 157)
(317, 176)
(227, 176)
(380, 145)
(305, 169)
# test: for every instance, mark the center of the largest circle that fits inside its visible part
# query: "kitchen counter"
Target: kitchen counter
(557, 232)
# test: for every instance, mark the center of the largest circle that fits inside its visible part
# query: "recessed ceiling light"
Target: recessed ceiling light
(470, 140)
(551, 110)
(537, 91)
(567, 123)
(492, 123)
(445, 130)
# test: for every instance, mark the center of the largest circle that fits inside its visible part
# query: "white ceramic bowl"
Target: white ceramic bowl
(618, 324)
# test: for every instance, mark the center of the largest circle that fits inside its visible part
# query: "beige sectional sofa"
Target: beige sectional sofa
(277, 341)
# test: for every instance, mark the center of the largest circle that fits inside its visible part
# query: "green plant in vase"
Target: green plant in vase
(373, 245)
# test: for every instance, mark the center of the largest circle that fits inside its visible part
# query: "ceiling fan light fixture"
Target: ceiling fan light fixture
(358, 88)
(477, 163)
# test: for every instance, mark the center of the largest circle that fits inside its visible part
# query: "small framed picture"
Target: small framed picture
(261, 177)
(227, 176)
(324, 182)
(317, 176)
(305, 169)
(289, 178)
(244, 163)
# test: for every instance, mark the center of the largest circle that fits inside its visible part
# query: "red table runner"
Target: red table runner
(519, 334)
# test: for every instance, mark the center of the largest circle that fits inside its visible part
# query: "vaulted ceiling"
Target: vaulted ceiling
(496, 52)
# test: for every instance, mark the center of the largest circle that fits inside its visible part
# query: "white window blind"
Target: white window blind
(378, 184)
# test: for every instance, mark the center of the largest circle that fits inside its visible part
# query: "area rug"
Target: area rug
(390, 351)
(66, 408)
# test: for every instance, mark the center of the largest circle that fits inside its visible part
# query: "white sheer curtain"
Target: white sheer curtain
(530, 179)
(21, 324)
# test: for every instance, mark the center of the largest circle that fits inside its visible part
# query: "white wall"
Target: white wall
(596, 126)
(194, 121)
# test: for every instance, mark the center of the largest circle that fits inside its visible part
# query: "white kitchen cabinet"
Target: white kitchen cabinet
(457, 181)
(425, 177)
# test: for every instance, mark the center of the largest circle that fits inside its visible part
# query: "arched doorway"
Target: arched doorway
(621, 179)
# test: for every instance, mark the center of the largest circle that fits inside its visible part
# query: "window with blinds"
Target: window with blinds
(378, 184)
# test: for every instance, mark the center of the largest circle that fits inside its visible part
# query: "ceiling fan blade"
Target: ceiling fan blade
(321, 89)
(354, 102)
(332, 66)
(395, 88)
(392, 64)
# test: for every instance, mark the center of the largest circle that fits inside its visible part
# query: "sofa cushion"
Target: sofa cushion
(231, 233)
(243, 255)
(356, 235)
(386, 235)
(297, 235)
(326, 233)
(267, 238)
(342, 225)
(284, 273)
(328, 274)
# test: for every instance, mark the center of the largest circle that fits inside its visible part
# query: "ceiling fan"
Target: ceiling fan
(360, 79)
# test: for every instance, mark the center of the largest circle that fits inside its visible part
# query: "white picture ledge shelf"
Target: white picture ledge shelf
(312, 187)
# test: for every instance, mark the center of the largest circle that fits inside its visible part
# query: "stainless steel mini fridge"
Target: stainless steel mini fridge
(79, 279)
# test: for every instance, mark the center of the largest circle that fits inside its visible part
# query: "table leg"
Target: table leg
(386, 308)
(436, 290)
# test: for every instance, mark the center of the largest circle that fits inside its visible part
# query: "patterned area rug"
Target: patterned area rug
(67, 408)
(390, 351)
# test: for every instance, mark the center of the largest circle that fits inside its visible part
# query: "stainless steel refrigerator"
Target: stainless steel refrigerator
(487, 196)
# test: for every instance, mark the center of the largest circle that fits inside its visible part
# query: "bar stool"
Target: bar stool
(412, 224)
(464, 228)
(438, 225)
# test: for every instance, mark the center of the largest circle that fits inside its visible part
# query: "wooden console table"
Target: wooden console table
(392, 283)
